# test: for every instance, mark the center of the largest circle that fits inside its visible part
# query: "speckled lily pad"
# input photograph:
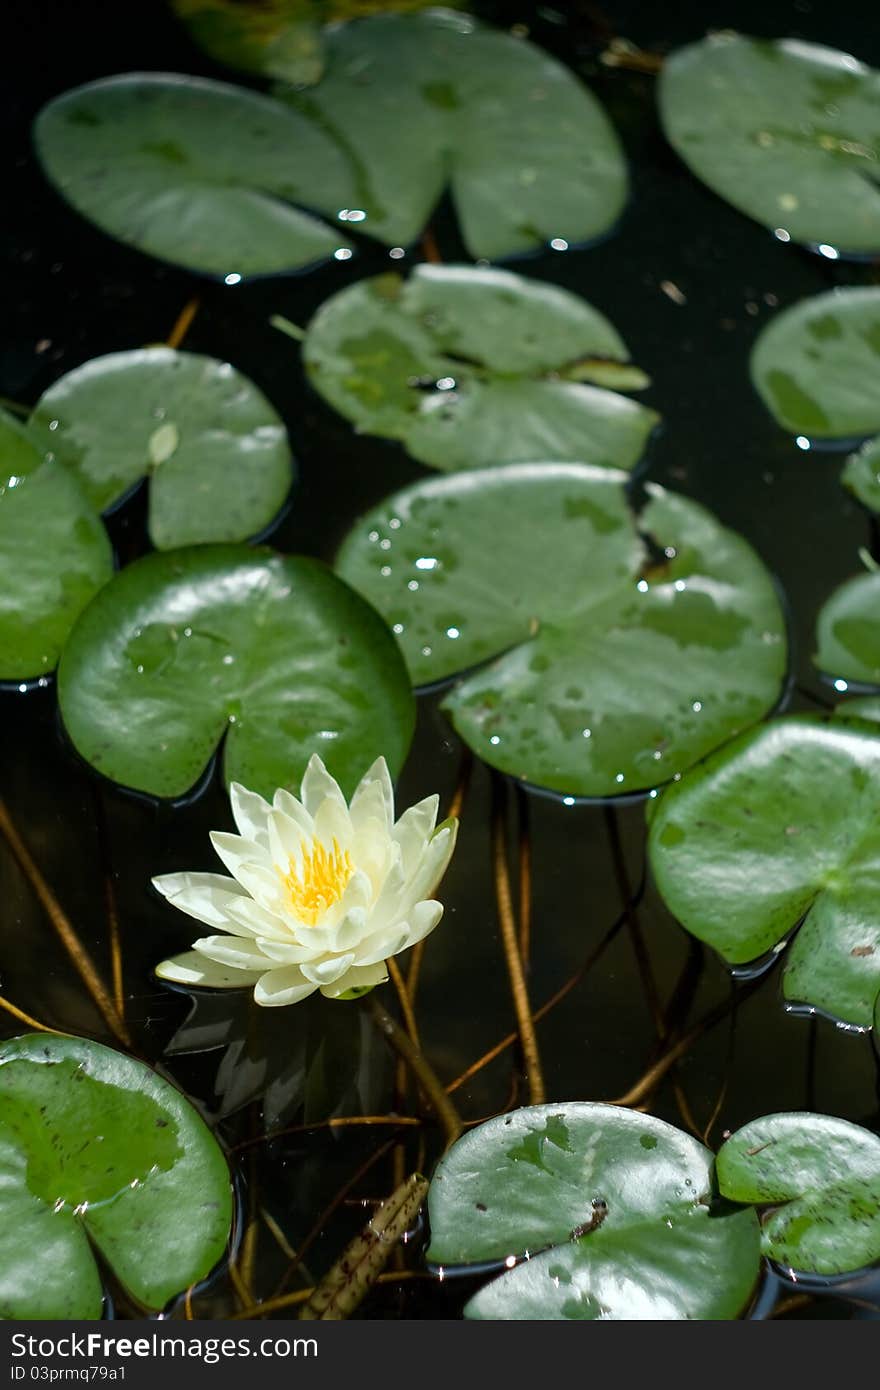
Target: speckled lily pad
(786, 131)
(848, 631)
(584, 663)
(215, 450)
(817, 365)
(270, 654)
(821, 1176)
(100, 1156)
(54, 555)
(469, 366)
(614, 1211)
(781, 830)
(861, 474)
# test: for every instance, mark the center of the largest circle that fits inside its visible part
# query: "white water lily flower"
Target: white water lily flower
(322, 892)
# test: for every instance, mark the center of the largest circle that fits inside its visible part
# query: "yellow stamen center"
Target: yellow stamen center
(320, 880)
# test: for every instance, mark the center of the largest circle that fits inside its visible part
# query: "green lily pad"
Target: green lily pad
(214, 448)
(276, 38)
(419, 102)
(100, 1156)
(786, 131)
(817, 364)
(865, 707)
(54, 555)
(612, 1209)
(861, 474)
(199, 173)
(599, 669)
(469, 367)
(272, 651)
(848, 631)
(206, 175)
(782, 827)
(823, 1177)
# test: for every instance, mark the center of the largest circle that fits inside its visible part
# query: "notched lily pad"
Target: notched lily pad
(848, 631)
(207, 175)
(786, 131)
(604, 665)
(781, 828)
(469, 367)
(861, 475)
(199, 173)
(101, 1157)
(215, 450)
(817, 364)
(422, 102)
(272, 651)
(822, 1177)
(54, 555)
(610, 1211)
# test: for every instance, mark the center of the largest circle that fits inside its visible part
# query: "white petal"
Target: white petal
(289, 806)
(326, 972)
(287, 842)
(332, 822)
(359, 977)
(207, 897)
(414, 829)
(253, 920)
(352, 929)
(318, 784)
(374, 852)
(250, 813)
(374, 796)
(234, 951)
(287, 952)
(432, 866)
(191, 968)
(286, 985)
(238, 853)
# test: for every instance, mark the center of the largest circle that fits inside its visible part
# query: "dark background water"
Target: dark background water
(73, 294)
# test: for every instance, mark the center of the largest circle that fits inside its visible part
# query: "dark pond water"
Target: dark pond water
(689, 283)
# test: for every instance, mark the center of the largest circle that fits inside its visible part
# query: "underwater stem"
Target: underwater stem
(420, 1068)
(64, 930)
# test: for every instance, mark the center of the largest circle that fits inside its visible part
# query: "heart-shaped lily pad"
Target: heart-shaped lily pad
(470, 367)
(786, 131)
(861, 474)
(782, 827)
(420, 102)
(215, 449)
(848, 631)
(816, 365)
(822, 1176)
(272, 651)
(205, 174)
(99, 1155)
(54, 555)
(601, 668)
(199, 173)
(610, 1210)
(277, 38)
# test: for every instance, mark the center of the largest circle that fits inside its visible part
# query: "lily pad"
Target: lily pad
(277, 38)
(611, 1212)
(274, 652)
(206, 175)
(822, 1176)
(848, 631)
(816, 365)
(419, 102)
(215, 450)
(601, 668)
(199, 173)
(54, 555)
(777, 831)
(101, 1157)
(469, 366)
(786, 131)
(861, 474)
